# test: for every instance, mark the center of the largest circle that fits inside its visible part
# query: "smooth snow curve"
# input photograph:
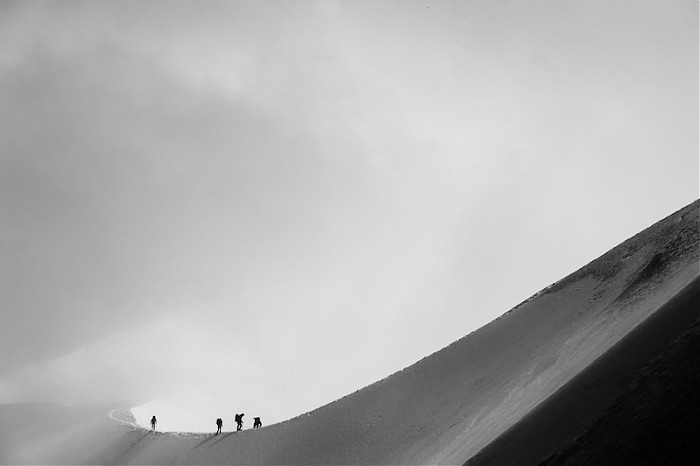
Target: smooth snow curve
(444, 409)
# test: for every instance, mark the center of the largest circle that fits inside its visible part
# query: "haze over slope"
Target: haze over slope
(443, 409)
(279, 183)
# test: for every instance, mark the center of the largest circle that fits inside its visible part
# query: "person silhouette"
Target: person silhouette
(153, 422)
(219, 424)
(239, 421)
(257, 423)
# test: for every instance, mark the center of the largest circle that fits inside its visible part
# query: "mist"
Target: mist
(261, 207)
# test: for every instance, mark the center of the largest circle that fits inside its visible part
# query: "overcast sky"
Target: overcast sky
(263, 206)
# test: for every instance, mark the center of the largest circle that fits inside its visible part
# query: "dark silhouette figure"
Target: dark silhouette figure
(153, 423)
(257, 423)
(219, 424)
(239, 421)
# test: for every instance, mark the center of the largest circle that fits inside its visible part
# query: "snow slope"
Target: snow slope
(444, 409)
(657, 411)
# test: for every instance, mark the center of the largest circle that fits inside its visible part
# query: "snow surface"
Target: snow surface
(442, 410)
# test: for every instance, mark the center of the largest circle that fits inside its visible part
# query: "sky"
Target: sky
(263, 206)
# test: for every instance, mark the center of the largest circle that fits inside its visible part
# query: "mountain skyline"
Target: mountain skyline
(252, 193)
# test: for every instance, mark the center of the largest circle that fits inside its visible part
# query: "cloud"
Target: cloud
(301, 177)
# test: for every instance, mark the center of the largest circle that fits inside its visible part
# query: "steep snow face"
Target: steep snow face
(448, 406)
